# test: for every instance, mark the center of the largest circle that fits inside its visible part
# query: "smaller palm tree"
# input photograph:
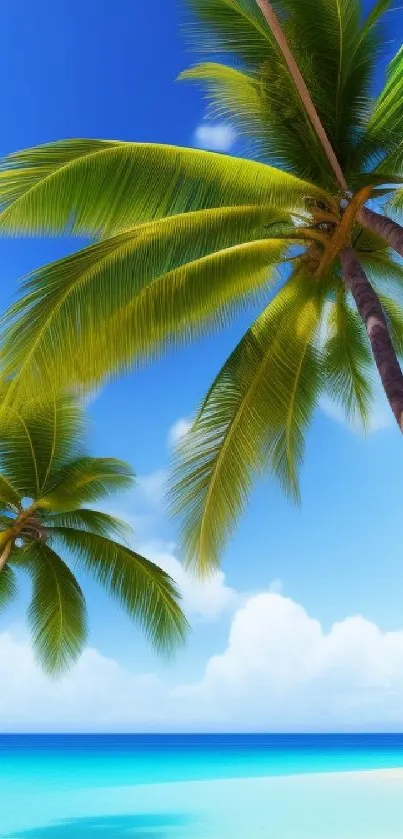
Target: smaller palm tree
(46, 483)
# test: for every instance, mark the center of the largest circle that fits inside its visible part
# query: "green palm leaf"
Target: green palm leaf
(347, 361)
(394, 314)
(260, 398)
(9, 497)
(85, 480)
(8, 587)
(135, 300)
(35, 441)
(336, 55)
(57, 614)
(102, 187)
(384, 272)
(94, 521)
(238, 97)
(230, 26)
(147, 593)
(57, 486)
(387, 115)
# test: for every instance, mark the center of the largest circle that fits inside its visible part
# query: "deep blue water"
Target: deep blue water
(107, 786)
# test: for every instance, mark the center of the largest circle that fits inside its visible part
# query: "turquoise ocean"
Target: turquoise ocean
(195, 786)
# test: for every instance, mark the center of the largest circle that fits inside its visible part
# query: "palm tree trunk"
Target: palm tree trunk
(275, 27)
(5, 554)
(373, 316)
(384, 227)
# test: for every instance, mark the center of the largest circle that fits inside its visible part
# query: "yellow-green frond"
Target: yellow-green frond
(36, 439)
(235, 96)
(230, 26)
(146, 591)
(99, 188)
(394, 314)
(387, 116)
(384, 271)
(255, 411)
(8, 587)
(95, 313)
(86, 480)
(9, 496)
(94, 521)
(57, 613)
(347, 361)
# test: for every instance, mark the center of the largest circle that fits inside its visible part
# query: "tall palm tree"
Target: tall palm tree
(185, 237)
(46, 483)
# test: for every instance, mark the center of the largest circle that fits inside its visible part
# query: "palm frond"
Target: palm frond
(36, 440)
(336, 54)
(100, 188)
(94, 521)
(259, 400)
(9, 496)
(394, 314)
(229, 26)
(57, 614)
(374, 17)
(387, 115)
(147, 593)
(8, 586)
(238, 97)
(384, 272)
(95, 313)
(347, 361)
(86, 480)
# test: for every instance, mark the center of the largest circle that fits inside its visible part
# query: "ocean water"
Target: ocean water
(195, 786)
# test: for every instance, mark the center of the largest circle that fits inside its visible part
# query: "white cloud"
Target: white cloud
(279, 671)
(215, 136)
(282, 671)
(152, 487)
(178, 431)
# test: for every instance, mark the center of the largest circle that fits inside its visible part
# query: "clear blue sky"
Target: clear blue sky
(103, 69)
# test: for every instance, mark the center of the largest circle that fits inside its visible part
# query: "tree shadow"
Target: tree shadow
(138, 826)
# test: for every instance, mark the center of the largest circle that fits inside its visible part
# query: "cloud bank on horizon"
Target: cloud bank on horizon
(279, 671)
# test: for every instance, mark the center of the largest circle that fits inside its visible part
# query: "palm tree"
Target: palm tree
(46, 483)
(185, 237)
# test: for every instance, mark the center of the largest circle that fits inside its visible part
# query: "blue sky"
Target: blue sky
(103, 69)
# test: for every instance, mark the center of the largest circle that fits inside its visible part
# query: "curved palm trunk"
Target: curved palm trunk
(373, 316)
(384, 227)
(5, 554)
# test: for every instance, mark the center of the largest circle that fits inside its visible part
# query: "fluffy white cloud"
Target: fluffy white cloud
(93, 696)
(215, 136)
(178, 431)
(280, 670)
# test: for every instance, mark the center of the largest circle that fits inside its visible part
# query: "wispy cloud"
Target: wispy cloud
(214, 136)
(178, 431)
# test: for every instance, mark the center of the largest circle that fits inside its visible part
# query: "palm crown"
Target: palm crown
(185, 237)
(46, 483)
